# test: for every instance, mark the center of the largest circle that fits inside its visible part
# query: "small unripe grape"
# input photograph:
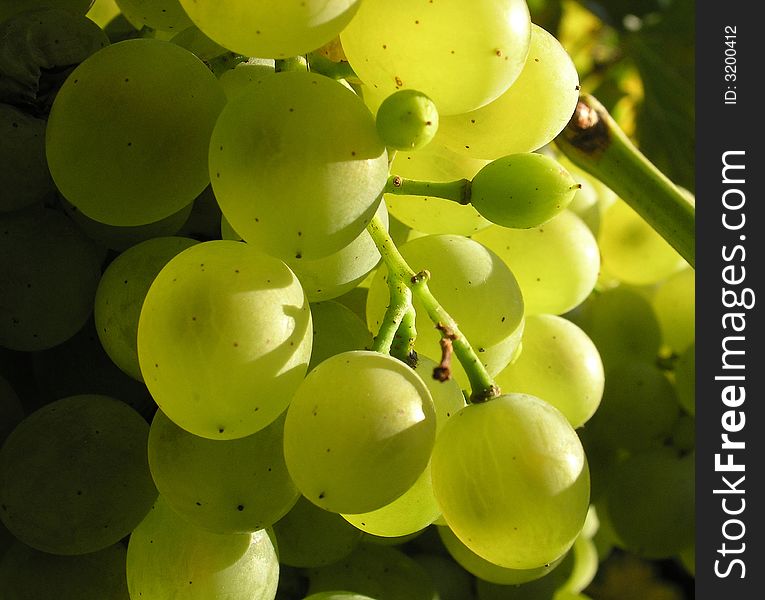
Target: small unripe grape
(407, 120)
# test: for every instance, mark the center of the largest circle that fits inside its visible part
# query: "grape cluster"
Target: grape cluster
(298, 300)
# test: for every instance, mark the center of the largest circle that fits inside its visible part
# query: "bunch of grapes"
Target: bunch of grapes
(299, 300)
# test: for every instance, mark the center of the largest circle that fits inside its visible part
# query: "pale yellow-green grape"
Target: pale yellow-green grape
(333, 275)
(522, 190)
(128, 133)
(236, 79)
(464, 275)
(556, 264)
(675, 305)
(336, 329)
(74, 475)
(543, 588)
(685, 379)
(23, 168)
(651, 503)
(337, 596)
(120, 295)
(632, 251)
(11, 411)
(623, 326)
(120, 238)
(301, 145)
(49, 273)
(592, 199)
(196, 42)
(430, 214)
(559, 363)
(451, 581)
(224, 339)
(271, 29)
(165, 15)
(460, 68)
(585, 558)
(486, 570)
(224, 486)
(26, 573)
(375, 571)
(168, 558)
(417, 507)
(309, 536)
(359, 432)
(407, 120)
(102, 12)
(517, 499)
(639, 407)
(9, 8)
(533, 110)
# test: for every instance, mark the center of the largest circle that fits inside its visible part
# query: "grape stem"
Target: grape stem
(457, 191)
(594, 142)
(329, 68)
(401, 276)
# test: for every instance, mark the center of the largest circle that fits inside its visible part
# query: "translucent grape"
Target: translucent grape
(519, 500)
(675, 305)
(198, 43)
(141, 155)
(309, 536)
(522, 190)
(533, 110)
(461, 68)
(407, 120)
(685, 379)
(300, 143)
(273, 30)
(559, 363)
(224, 339)
(359, 432)
(236, 79)
(169, 558)
(74, 475)
(336, 329)
(431, 214)
(556, 264)
(48, 275)
(121, 293)
(165, 15)
(225, 486)
(11, 7)
(543, 588)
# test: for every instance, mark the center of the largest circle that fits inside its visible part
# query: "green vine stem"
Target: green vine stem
(457, 191)
(481, 384)
(594, 142)
(329, 68)
(403, 342)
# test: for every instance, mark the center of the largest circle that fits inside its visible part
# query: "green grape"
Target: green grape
(197, 43)
(273, 30)
(685, 379)
(336, 329)
(675, 305)
(558, 363)
(333, 275)
(224, 339)
(229, 486)
(359, 432)
(461, 68)
(10, 7)
(236, 79)
(452, 582)
(543, 588)
(592, 199)
(375, 571)
(48, 275)
(120, 238)
(464, 275)
(74, 476)
(483, 569)
(337, 596)
(519, 500)
(11, 411)
(407, 120)
(102, 12)
(227, 232)
(651, 503)
(142, 155)
(633, 252)
(24, 174)
(168, 558)
(309, 536)
(529, 114)
(623, 326)
(585, 567)
(81, 366)
(27, 574)
(309, 148)
(121, 293)
(165, 15)
(556, 264)
(522, 190)
(430, 214)
(639, 407)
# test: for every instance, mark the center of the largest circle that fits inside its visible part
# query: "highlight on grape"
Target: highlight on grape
(330, 300)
